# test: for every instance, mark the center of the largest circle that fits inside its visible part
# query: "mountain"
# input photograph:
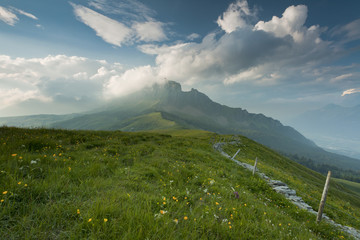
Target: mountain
(166, 106)
(333, 127)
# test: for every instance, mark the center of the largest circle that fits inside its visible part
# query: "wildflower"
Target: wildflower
(164, 198)
(279, 224)
(69, 169)
(289, 224)
(5, 192)
(20, 157)
(176, 221)
(2, 200)
(164, 203)
(236, 195)
(163, 212)
(25, 185)
(19, 183)
(244, 204)
(229, 223)
(264, 213)
(89, 220)
(216, 203)
(78, 211)
(105, 219)
(13, 155)
(174, 198)
(185, 218)
(200, 199)
(229, 227)
(128, 195)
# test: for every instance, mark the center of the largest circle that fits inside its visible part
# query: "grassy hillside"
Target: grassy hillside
(354, 186)
(58, 184)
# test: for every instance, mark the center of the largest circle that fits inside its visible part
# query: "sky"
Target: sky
(279, 58)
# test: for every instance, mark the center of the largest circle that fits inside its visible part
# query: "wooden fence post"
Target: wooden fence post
(255, 166)
(323, 198)
(235, 154)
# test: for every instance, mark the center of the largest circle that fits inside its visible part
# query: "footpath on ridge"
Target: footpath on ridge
(283, 188)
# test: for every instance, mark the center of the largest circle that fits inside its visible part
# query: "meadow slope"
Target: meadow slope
(58, 184)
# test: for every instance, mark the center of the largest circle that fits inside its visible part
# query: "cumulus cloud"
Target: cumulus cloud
(130, 81)
(74, 80)
(7, 16)
(282, 50)
(111, 31)
(235, 16)
(350, 91)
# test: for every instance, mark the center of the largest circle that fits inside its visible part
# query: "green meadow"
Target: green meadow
(59, 184)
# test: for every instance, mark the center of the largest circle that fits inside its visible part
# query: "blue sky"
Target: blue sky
(279, 57)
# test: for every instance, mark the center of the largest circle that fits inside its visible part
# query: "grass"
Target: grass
(58, 184)
(354, 186)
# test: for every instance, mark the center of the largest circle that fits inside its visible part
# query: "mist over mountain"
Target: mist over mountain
(333, 127)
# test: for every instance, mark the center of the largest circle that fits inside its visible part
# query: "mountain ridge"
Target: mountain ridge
(166, 106)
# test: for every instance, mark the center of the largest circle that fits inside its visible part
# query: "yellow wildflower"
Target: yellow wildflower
(13, 155)
(229, 227)
(69, 169)
(176, 221)
(185, 218)
(89, 220)
(78, 211)
(105, 219)
(25, 185)
(216, 203)
(5, 192)
(19, 183)
(164, 203)
(2, 200)
(279, 224)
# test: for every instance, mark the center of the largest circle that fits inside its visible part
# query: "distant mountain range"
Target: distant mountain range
(333, 127)
(166, 106)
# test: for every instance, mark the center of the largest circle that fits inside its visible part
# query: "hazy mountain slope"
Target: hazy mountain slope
(194, 110)
(334, 127)
(42, 120)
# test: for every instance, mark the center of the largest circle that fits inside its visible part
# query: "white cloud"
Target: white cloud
(111, 31)
(7, 16)
(193, 36)
(115, 32)
(342, 77)
(29, 15)
(130, 81)
(149, 31)
(348, 32)
(14, 96)
(235, 16)
(350, 91)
